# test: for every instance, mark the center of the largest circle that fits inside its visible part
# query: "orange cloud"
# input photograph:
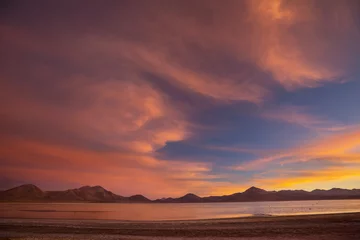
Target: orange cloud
(118, 112)
(259, 163)
(121, 111)
(336, 147)
(296, 40)
(158, 61)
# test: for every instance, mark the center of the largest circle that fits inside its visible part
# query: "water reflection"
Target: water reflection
(180, 211)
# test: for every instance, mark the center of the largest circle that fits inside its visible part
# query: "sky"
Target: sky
(164, 98)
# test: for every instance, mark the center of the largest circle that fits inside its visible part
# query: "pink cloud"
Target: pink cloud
(299, 116)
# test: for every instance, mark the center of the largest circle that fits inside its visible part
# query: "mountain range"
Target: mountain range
(31, 193)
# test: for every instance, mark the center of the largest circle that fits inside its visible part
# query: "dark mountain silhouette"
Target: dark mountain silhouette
(336, 192)
(138, 198)
(27, 192)
(30, 192)
(255, 190)
(254, 194)
(190, 197)
(84, 194)
(251, 194)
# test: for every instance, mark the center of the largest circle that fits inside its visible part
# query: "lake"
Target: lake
(173, 211)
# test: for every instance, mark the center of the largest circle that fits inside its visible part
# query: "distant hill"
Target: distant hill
(31, 193)
(138, 199)
(190, 197)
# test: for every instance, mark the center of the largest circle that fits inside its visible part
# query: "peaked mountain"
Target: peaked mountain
(86, 193)
(27, 192)
(251, 194)
(190, 197)
(138, 199)
(254, 190)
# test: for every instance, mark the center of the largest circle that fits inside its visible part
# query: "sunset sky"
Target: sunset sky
(168, 97)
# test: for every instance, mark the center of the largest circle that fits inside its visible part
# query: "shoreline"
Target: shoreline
(250, 216)
(201, 202)
(318, 226)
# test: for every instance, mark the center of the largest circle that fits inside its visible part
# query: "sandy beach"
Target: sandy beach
(344, 226)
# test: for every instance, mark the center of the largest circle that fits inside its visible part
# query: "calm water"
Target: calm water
(179, 211)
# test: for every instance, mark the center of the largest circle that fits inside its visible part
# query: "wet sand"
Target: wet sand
(312, 227)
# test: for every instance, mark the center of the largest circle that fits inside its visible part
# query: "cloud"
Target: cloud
(293, 41)
(118, 112)
(129, 112)
(294, 115)
(74, 89)
(259, 163)
(303, 44)
(300, 44)
(158, 61)
(335, 147)
(299, 116)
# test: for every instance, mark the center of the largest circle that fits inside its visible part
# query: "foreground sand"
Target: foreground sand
(314, 227)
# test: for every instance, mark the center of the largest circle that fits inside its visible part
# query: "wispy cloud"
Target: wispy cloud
(299, 116)
(297, 44)
(336, 147)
